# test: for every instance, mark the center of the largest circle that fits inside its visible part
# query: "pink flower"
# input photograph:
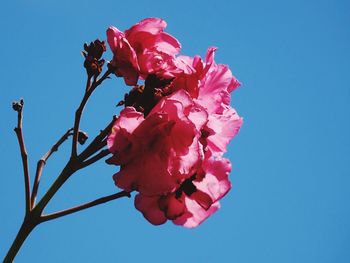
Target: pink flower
(142, 50)
(194, 72)
(158, 152)
(125, 59)
(215, 86)
(207, 82)
(148, 34)
(210, 85)
(161, 156)
(170, 139)
(191, 202)
(220, 129)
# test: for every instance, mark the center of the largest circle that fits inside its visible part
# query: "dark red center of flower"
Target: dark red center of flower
(188, 188)
(144, 97)
(173, 205)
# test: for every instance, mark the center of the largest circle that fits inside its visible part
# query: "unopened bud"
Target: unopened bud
(82, 137)
(93, 53)
(17, 105)
(120, 103)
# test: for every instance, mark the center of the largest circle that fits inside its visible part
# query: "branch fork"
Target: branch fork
(92, 153)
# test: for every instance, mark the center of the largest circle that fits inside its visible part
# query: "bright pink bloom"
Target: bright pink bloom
(161, 150)
(170, 144)
(194, 72)
(220, 129)
(148, 34)
(144, 49)
(210, 85)
(193, 201)
(214, 95)
(207, 82)
(125, 59)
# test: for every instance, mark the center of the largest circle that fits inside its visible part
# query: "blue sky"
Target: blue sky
(291, 175)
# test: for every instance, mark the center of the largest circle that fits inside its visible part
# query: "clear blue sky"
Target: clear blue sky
(291, 176)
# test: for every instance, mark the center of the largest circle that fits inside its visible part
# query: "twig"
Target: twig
(88, 83)
(18, 106)
(42, 162)
(98, 142)
(97, 157)
(75, 161)
(85, 206)
(89, 90)
(105, 76)
(34, 214)
(77, 118)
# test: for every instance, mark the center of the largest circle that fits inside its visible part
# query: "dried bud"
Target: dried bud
(144, 97)
(82, 137)
(95, 49)
(17, 105)
(93, 53)
(120, 103)
(111, 67)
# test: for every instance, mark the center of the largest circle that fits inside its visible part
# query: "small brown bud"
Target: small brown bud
(120, 103)
(92, 54)
(17, 105)
(95, 49)
(82, 137)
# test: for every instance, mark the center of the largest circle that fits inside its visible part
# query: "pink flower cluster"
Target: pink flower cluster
(170, 139)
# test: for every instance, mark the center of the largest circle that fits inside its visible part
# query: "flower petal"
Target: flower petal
(119, 139)
(196, 214)
(215, 182)
(223, 128)
(148, 206)
(124, 59)
(213, 91)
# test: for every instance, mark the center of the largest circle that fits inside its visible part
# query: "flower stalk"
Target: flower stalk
(42, 162)
(18, 106)
(94, 152)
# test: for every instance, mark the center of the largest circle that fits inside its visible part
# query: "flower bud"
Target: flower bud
(17, 105)
(93, 53)
(82, 137)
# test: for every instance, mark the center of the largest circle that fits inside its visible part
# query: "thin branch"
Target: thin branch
(18, 106)
(105, 76)
(77, 118)
(70, 168)
(74, 162)
(88, 83)
(88, 91)
(42, 162)
(98, 142)
(97, 157)
(85, 206)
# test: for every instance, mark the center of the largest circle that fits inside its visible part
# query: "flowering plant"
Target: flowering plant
(168, 141)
